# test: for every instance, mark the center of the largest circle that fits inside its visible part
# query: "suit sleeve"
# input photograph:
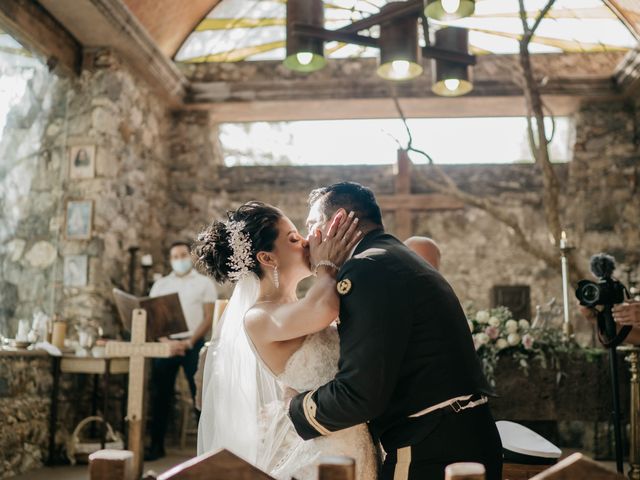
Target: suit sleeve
(374, 331)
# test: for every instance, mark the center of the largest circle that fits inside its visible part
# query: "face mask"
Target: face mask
(181, 266)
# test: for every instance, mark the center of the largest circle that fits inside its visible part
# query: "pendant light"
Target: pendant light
(451, 79)
(449, 9)
(399, 48)
(304, 54)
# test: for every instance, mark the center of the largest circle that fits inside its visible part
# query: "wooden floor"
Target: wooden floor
(81, 472)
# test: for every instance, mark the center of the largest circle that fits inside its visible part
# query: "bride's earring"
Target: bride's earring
(276, 277)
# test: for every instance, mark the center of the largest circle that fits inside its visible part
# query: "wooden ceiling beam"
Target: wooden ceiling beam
(38, 31)
(368, 108)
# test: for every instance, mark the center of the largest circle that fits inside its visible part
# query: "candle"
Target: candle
(563, 240)
(59, 332)
(23, 331)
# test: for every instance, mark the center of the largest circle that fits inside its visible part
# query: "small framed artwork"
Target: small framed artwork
(75, 270)
(82, 161)
(79, 220)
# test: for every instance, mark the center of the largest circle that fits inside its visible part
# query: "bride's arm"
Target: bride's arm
(321, 304)
(308, 315)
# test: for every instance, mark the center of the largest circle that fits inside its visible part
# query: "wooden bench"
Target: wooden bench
(224, 465)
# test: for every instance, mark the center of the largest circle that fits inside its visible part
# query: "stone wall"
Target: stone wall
(107, 106)
(478, 252)
(25, 399)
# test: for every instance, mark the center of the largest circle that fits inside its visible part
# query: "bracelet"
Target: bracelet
(325, 263)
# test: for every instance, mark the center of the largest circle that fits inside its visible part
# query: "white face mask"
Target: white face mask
(181, 266)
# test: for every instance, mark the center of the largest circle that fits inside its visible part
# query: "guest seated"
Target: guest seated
(627, 313)
(426, 248)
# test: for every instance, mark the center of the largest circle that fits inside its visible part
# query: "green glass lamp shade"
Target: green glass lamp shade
(444, 10)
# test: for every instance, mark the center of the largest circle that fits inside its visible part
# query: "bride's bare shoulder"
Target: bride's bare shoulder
(258, 317)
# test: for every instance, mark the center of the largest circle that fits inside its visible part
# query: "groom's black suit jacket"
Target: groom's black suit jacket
(405, 345)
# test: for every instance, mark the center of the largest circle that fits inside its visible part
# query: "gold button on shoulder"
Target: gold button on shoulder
(344, 286)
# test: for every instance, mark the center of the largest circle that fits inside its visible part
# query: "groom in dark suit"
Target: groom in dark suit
(408, 366)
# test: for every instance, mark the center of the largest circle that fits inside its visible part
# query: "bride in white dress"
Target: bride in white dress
(271, 343)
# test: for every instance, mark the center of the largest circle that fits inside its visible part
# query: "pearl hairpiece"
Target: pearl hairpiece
(241, 261)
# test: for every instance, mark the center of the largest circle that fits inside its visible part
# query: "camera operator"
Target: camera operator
(627, 313)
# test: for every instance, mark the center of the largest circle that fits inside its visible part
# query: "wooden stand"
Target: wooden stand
(464, 471)
(111, 465)
(337, 468)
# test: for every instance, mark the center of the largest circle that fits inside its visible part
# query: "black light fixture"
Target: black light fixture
(399, 48)
(304, 53)
(400, 52)
(451, 78)
(449, 9)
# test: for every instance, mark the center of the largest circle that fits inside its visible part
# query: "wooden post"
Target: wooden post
(634, 410)
(111, 465)
(138, 350)
(404, 203)
(337, 468)
(464, 471)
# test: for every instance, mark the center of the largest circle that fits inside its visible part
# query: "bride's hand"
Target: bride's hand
(340, 239)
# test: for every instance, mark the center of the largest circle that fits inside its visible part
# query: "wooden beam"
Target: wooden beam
(424, 202)
(109, 23)
(358, 108)
(38, 31)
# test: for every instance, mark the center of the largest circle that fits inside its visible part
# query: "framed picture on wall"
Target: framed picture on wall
(79, 222)
(82, 161)
(75, 270)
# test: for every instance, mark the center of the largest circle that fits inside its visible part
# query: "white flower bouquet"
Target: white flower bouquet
(496, 333)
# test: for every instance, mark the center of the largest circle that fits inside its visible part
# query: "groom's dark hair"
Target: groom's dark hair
(351, 196)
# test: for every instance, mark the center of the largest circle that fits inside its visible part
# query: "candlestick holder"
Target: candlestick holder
(633, 359)
(567, 326)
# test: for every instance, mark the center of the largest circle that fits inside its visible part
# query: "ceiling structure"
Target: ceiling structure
(236, 30)
(170, 22)
(153, 37)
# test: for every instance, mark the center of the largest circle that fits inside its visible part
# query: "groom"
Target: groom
(407, 361)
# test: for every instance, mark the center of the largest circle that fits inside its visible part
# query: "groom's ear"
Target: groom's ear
(340, 211)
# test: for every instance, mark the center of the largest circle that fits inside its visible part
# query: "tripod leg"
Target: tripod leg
(615, 388)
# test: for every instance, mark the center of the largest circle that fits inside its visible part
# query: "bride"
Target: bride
(270, 343)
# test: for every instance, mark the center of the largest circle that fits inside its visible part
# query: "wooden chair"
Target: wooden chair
(578, 467)
(221, 465)
(188, 424)
(465, 471)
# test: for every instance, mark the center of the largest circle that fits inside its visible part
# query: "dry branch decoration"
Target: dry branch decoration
(539, 144)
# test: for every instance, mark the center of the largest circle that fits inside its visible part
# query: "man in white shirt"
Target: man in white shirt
(197, 295)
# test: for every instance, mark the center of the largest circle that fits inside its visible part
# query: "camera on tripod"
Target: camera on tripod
(607, 291)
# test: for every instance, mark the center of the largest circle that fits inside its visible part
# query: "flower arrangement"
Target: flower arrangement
(496, 333)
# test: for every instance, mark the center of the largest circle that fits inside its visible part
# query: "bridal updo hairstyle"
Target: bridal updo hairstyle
(213, 249)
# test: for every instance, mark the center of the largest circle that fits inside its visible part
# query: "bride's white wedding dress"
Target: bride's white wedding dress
(312, 365)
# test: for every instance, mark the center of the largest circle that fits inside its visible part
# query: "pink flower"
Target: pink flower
(528, 341)
(492, 332)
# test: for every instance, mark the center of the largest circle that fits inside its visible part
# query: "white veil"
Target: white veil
(240, 396)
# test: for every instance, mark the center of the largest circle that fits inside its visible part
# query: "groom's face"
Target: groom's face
(316, 220)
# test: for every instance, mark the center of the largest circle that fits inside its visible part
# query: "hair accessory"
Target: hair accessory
(241, 261)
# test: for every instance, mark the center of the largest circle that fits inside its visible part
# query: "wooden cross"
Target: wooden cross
(404, 203)
(138, 350)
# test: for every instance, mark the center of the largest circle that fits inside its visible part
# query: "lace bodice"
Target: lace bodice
(311, 366)
(314, 363)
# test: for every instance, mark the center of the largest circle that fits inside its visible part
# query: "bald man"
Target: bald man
(426, 248)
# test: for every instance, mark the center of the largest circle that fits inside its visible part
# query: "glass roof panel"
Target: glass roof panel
(237, 30)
